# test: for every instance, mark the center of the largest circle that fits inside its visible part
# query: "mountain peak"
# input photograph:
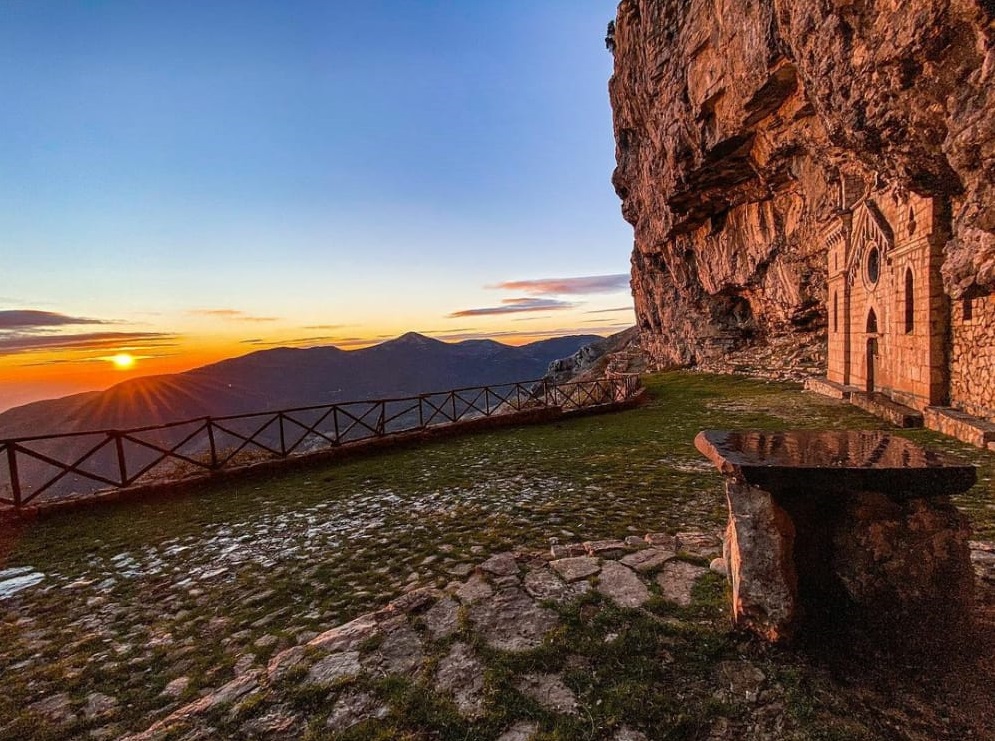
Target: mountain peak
(412, 338)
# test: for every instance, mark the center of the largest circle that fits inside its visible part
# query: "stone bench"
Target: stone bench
(839, 525)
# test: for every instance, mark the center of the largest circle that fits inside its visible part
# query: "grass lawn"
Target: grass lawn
(137, 595)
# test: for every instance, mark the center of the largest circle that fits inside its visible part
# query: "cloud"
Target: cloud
(528, 335)
(33, 319)
(14, 343)
(326, 326)
(568, 286)
(606, 311)
(233, 314)
(517, 306)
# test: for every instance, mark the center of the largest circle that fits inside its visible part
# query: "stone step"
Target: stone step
(961, 425)
(822, 385)
(881, 406)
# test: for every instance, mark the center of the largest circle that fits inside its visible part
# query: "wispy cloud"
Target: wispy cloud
(567, 286)
(517, 306)
(326, 327)
(20, 319)
(233, 315)
(526, 334)
(14, 343)
(606, 311)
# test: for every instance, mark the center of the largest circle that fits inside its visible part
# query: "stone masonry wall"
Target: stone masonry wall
(972, 370)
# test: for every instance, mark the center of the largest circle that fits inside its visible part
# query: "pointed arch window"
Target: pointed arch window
(872, 322)
(910, 301)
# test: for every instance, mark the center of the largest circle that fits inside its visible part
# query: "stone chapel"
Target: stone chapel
(894, 333)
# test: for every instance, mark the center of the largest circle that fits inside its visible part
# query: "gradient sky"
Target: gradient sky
(191, 180)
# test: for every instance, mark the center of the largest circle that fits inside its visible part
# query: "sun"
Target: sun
(123, 360)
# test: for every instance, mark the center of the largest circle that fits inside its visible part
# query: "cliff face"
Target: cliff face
(739, 123)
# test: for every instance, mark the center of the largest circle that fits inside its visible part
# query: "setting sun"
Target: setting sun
(123, 361)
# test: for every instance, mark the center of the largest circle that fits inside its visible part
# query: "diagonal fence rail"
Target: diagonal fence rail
(80, 463)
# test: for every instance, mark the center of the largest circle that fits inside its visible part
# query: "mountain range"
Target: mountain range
(289, 377)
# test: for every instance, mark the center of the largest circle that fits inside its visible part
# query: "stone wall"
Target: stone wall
(972, 370)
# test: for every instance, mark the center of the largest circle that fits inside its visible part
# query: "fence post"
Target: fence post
(421, 412)
(452, 397)
(283, 439)
(214, 446)
(487, 402)
(380, 419)
(121, 464)
(335, 422)
(15, 481)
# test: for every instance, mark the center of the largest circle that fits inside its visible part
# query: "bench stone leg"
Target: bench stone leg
(759, 554)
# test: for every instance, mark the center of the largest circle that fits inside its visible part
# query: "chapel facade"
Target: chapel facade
(893, 330)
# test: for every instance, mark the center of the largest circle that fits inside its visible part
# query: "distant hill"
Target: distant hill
(288, 377)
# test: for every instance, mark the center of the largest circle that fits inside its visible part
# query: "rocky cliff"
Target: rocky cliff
(738, 125)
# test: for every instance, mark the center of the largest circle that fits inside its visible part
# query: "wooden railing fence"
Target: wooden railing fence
(85, 462)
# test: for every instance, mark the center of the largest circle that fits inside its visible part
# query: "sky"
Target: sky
(186, 181)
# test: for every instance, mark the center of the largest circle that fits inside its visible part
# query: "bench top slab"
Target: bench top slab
(803, 461)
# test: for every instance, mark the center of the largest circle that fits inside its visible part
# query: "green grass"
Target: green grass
(133, 595)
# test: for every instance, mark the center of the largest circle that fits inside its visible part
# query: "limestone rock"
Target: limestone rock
(606, 548)
(334, 667)
(354, 707)
(677, 579)
(622, 586)
(543, 584)
(511, 621)
(501, 564)
(54, 708)
(523, 730)
(347, 636)
(461, 676)
(400, 652)
(442, 618)
(577, 567)
(647, 560)
(474, 589)
(759, 555)
(99, 705)
(736, 124)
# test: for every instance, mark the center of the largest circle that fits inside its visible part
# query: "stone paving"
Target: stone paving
(430, 635)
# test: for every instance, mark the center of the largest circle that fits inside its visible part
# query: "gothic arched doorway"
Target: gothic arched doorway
(872, 348)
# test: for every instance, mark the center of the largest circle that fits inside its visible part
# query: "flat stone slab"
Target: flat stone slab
(834, 461)
(698, 543)
(441, 619)
(677, 579)
(606, 548)
(460, 675)
(400, 652)
(334, 667)
(621, 585)
(523, 730)
(501, 564)
(549, 691)
(578, 567)
(348, 636)
(354, 707)
(474, 589)
(648, 559)
(543, 584)
(512, 621)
